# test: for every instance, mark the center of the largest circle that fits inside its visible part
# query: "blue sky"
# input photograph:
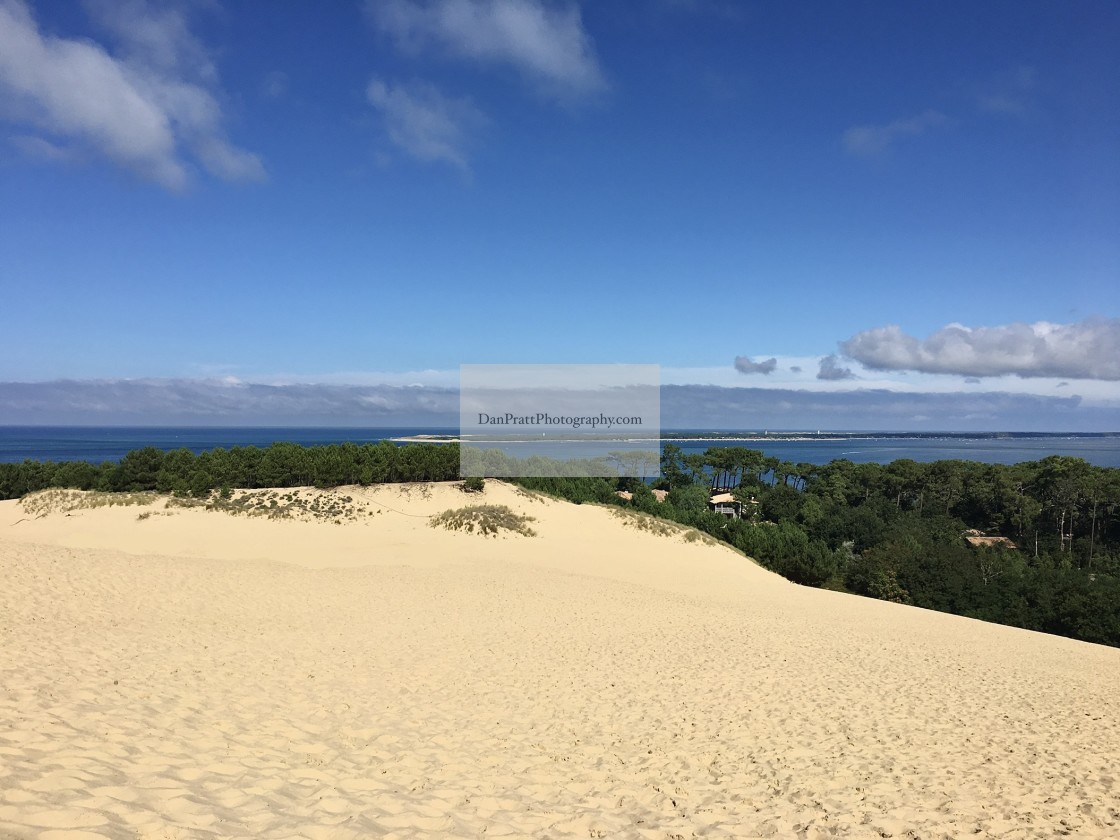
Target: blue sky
(882, 198)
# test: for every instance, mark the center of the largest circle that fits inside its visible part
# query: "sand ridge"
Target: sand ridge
(204, 675)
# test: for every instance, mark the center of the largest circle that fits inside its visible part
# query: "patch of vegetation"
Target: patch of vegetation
(660, 527)
(185, 502)
(422, 489)
(487, 520)
(148, 514)
(282, 464)
(644, 522)
(531, 495)
(692, 535)
(66, 501)
(473, 484)
(307, 506)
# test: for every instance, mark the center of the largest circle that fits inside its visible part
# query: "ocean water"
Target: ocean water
(97, 444)
(111, 443)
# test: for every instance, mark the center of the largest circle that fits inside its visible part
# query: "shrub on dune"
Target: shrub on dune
(487, 520)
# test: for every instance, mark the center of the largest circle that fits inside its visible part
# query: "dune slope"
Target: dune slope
(196, 674)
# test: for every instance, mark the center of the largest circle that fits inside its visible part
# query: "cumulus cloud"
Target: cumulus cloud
(544, 42)
(150, 105)
(831, 370)
(1087, 349)
(425, 123)
(871, 140)
(743, 364)
(795, 368)
(155, 36)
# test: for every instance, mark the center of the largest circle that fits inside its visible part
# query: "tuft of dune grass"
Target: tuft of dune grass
(302, 505)
(57, 500)
(660, 527)
(487, 520)
(305, 505)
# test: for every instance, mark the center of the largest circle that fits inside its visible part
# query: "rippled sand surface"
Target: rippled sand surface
(194, 674)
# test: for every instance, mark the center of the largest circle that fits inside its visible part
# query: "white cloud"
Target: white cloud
(875, 139)
(41, 149)
(743, 364)
(1088, 349)
(228, 162)
(144, 108)
(153, 36)
(424, 123)
(544, 42)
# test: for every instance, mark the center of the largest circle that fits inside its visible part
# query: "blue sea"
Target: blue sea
(97, 444)
(111, 443)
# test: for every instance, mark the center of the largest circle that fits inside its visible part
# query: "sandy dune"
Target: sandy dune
(195, 674)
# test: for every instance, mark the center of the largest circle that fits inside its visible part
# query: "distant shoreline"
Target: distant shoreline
(840, 435)
(447, 432)
(104, 443)
(748, 437)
